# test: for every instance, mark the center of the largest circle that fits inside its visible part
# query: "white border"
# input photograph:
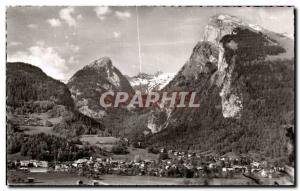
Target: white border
(150, 2)
(5, 3)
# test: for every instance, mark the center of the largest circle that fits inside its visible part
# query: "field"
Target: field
(31, 130)
(46, 178)
(108, 142)
(103, 142)
(71, 179)
(36, 123)
(17, 156)
(134, 152)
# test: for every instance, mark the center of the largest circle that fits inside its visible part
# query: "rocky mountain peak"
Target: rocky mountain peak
(218, 63)
(244, 78)
(88, 83)
(104, 67)
(101, 62)
(224, 18)
(222, 24)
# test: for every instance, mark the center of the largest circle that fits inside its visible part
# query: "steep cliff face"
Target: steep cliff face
(237, 40)
(244, 82)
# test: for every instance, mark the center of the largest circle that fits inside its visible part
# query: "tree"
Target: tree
(163, 156)
(119, 149)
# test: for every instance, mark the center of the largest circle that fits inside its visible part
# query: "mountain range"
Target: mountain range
(243, 75)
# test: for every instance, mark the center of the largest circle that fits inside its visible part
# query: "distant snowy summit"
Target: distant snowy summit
(146, 82)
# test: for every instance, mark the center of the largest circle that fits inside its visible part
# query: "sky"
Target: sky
(62, 40)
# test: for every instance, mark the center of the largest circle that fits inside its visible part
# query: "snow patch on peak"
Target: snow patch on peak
(161, 80)
(149, 83)
(255, 27)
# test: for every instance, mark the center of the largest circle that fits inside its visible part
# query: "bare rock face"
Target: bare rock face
(218, 27)
(225, 32)
(203, 60)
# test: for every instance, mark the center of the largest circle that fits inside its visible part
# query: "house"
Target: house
(99, 159)
(30, 180)
(191, 155)
(211, 165)
(25, 169)
(255, 164)
(38, 169)
(24, 163)
(264, 173)
(199, 168)
(162, 150)
(61, 168)
(33, 163)
(81, 161)
(43, 164)
(188, 166)
(230, 169)
(238, 168)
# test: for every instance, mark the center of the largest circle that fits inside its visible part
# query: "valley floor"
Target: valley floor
(67, 179)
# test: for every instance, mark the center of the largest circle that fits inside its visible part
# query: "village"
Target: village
(171, 163)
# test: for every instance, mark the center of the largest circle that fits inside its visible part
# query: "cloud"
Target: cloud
(79, 17)
(67, 15)
(158, 44)
(123, 15)
(116, 34)
(73, 60)
(168, 43)
(102, 11)
(32, 26)
(74, 48)
(54, 22)
(46, 58)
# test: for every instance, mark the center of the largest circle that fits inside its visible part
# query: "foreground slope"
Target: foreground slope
(33, 99)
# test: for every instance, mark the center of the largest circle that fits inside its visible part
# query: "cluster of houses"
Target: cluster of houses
(175, 164)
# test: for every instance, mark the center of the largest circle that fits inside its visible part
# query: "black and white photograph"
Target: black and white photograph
(155, 96)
